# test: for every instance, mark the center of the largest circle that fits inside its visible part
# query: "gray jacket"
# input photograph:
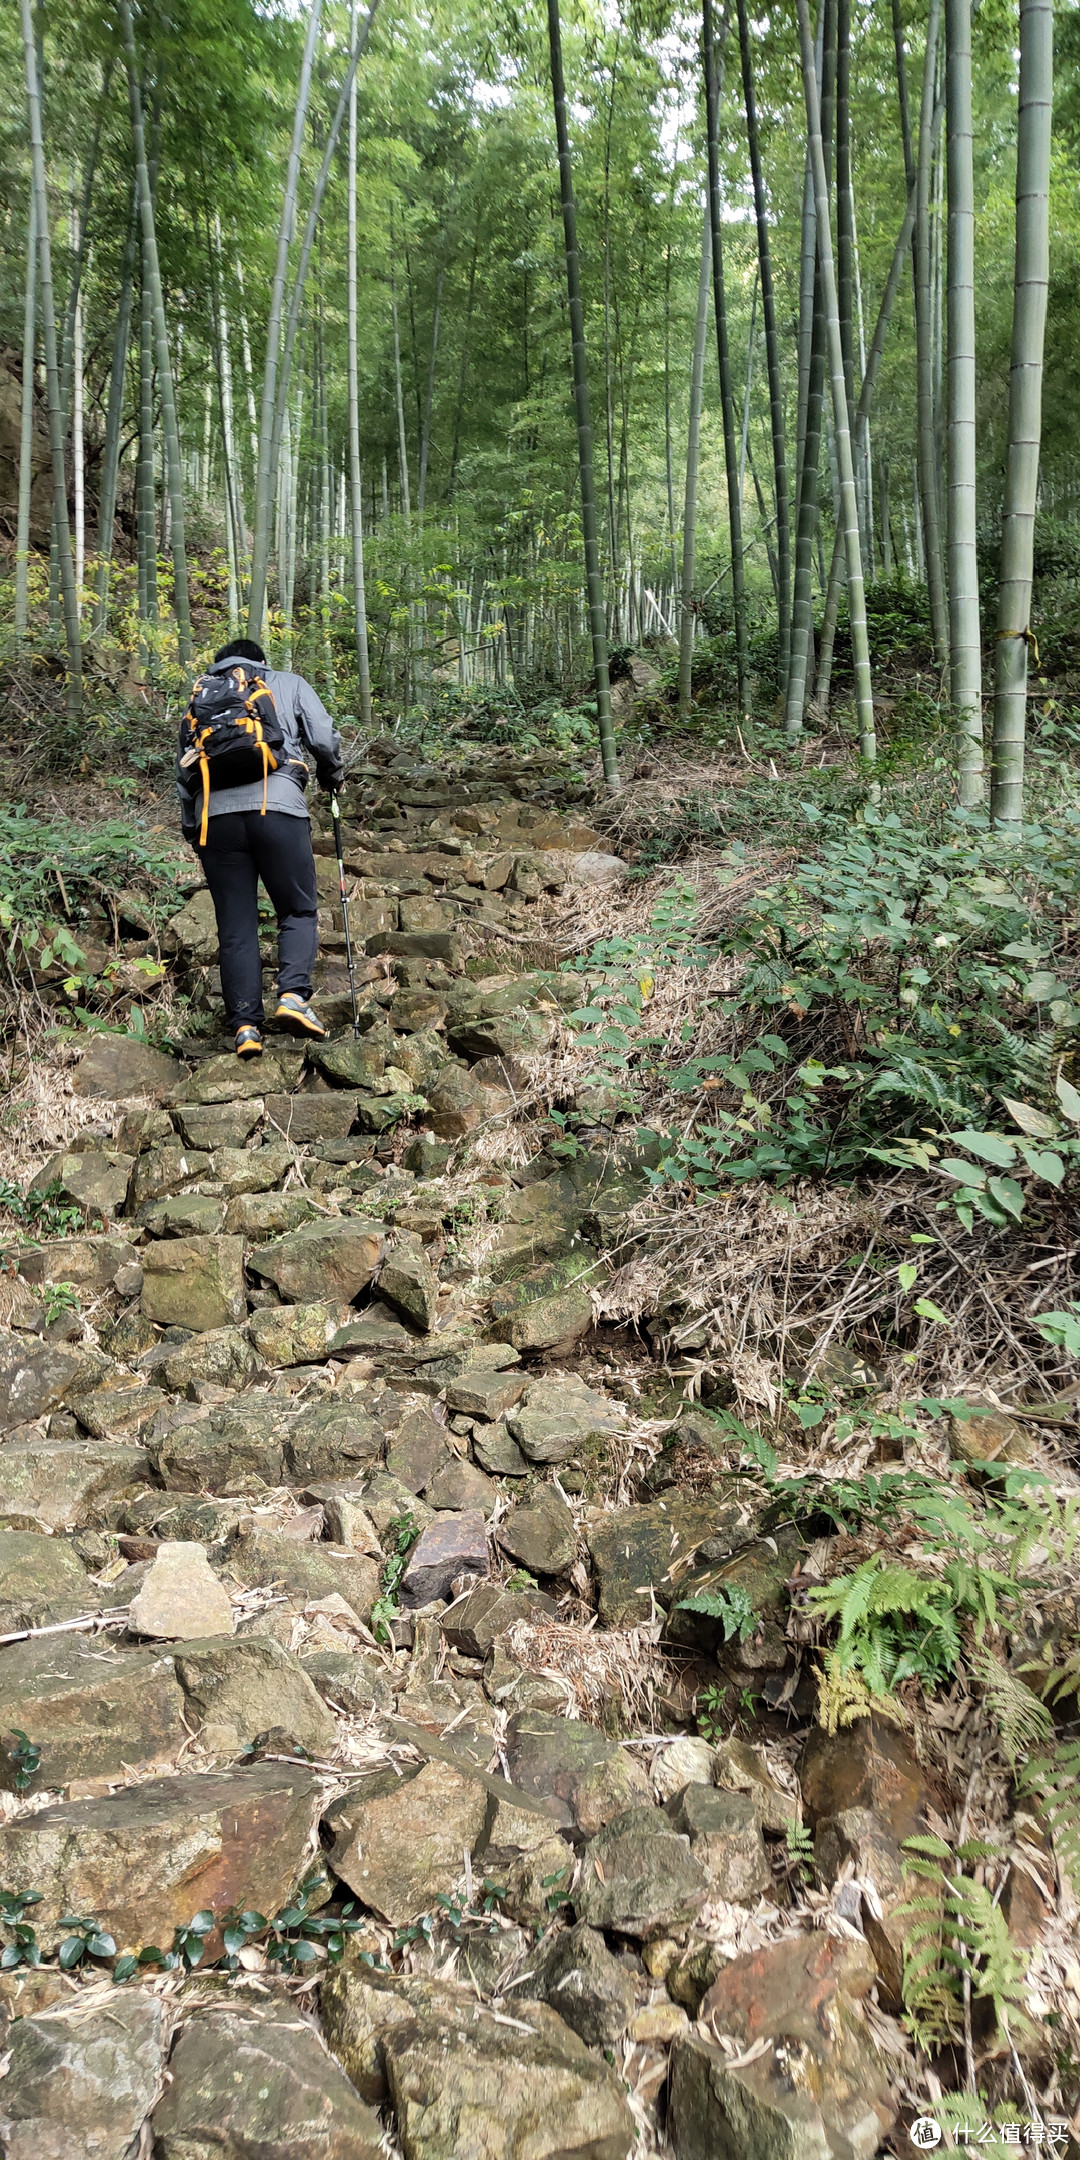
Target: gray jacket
(310, 738)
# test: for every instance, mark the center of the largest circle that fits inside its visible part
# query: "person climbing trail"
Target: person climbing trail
(241, 772)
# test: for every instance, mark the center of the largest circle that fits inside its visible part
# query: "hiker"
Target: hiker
(241, 771)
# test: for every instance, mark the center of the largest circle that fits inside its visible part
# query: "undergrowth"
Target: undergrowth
(904, 998)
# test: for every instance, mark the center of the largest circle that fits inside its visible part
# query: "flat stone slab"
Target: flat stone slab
(83, 2083)
(334, 1259)
(463, 2081)
(41, 1580)
(258, 2080)
(403, 1846)
(194, 1282)
(90, 1706)
(144, 1861)
(452, 1545)
(117, 1066)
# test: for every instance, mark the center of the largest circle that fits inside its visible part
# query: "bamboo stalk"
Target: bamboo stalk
(110, 458)
(965, 634)
(26, 426)
(266, 466)
(687, 617)
(166, 391)
(52, 372)
(593, 578)
(926, 444)
(849, 509)
(1031, 282)
(363, 659)
(772, 350)
(723, 354)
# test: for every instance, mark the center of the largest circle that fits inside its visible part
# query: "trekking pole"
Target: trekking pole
(336, 815)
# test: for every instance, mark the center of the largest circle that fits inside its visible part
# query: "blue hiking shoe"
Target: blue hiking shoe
(249, 1042)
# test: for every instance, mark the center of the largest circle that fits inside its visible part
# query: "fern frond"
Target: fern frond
(955, 1935)
(844, 1697)
(982, 1941)
(1022, 1720)
(1053, 1783)
(1056, 1682)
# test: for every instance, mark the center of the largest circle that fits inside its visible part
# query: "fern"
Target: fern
(932, 2005)
(844, 1697)
(1022, 1720)
(895, 1625)
(1056, 1682)
(877, 1587)
(998, 1965)
(730, 1605)
(1038, 1517)
(1052, 1782)
(957, 1933)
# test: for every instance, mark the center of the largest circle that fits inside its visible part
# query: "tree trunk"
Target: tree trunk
(862, 428)
(169, 427)
(687, 617)
(363, 660)
(52, 372)
(744, 432)
(1031, 280)
(723, 354)
(296, 297)
(805, 502)
(146, 512)
(26, 429)
(78, 445)
(772, 349)
(593, 577)
(965, 636)
(325, 510)
(110, 457)
(234, 475)
(924, 353)
(849, 509)
(464, 369)
(266, 468)
(429, 399)
(845, 208)
(906, 140)
(399, 399)
(812, 386)
(249, 375)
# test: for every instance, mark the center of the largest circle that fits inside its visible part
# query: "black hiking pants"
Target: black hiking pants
(243, 846)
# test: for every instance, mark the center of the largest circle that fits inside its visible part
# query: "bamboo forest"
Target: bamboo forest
(540, 1118)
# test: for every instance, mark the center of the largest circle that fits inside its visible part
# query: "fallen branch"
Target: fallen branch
(117, 1616)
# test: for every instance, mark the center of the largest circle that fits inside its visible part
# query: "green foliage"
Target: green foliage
(898, 992)
(957, 1937)
(730, 1605)
(401, 1536)
(40, 1214)
(1052, 1782)
(22, 1947)
(896, 1625)
(799, 1845)
(87, 1940)
(57, 1299)
(520, 1579)
(1022, 1720)
(54, 871)
(26, 1758)
(710, 1711)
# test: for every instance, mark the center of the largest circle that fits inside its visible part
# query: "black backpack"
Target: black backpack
(231, 732)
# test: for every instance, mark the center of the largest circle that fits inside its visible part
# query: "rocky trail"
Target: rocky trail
(383, 1769)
